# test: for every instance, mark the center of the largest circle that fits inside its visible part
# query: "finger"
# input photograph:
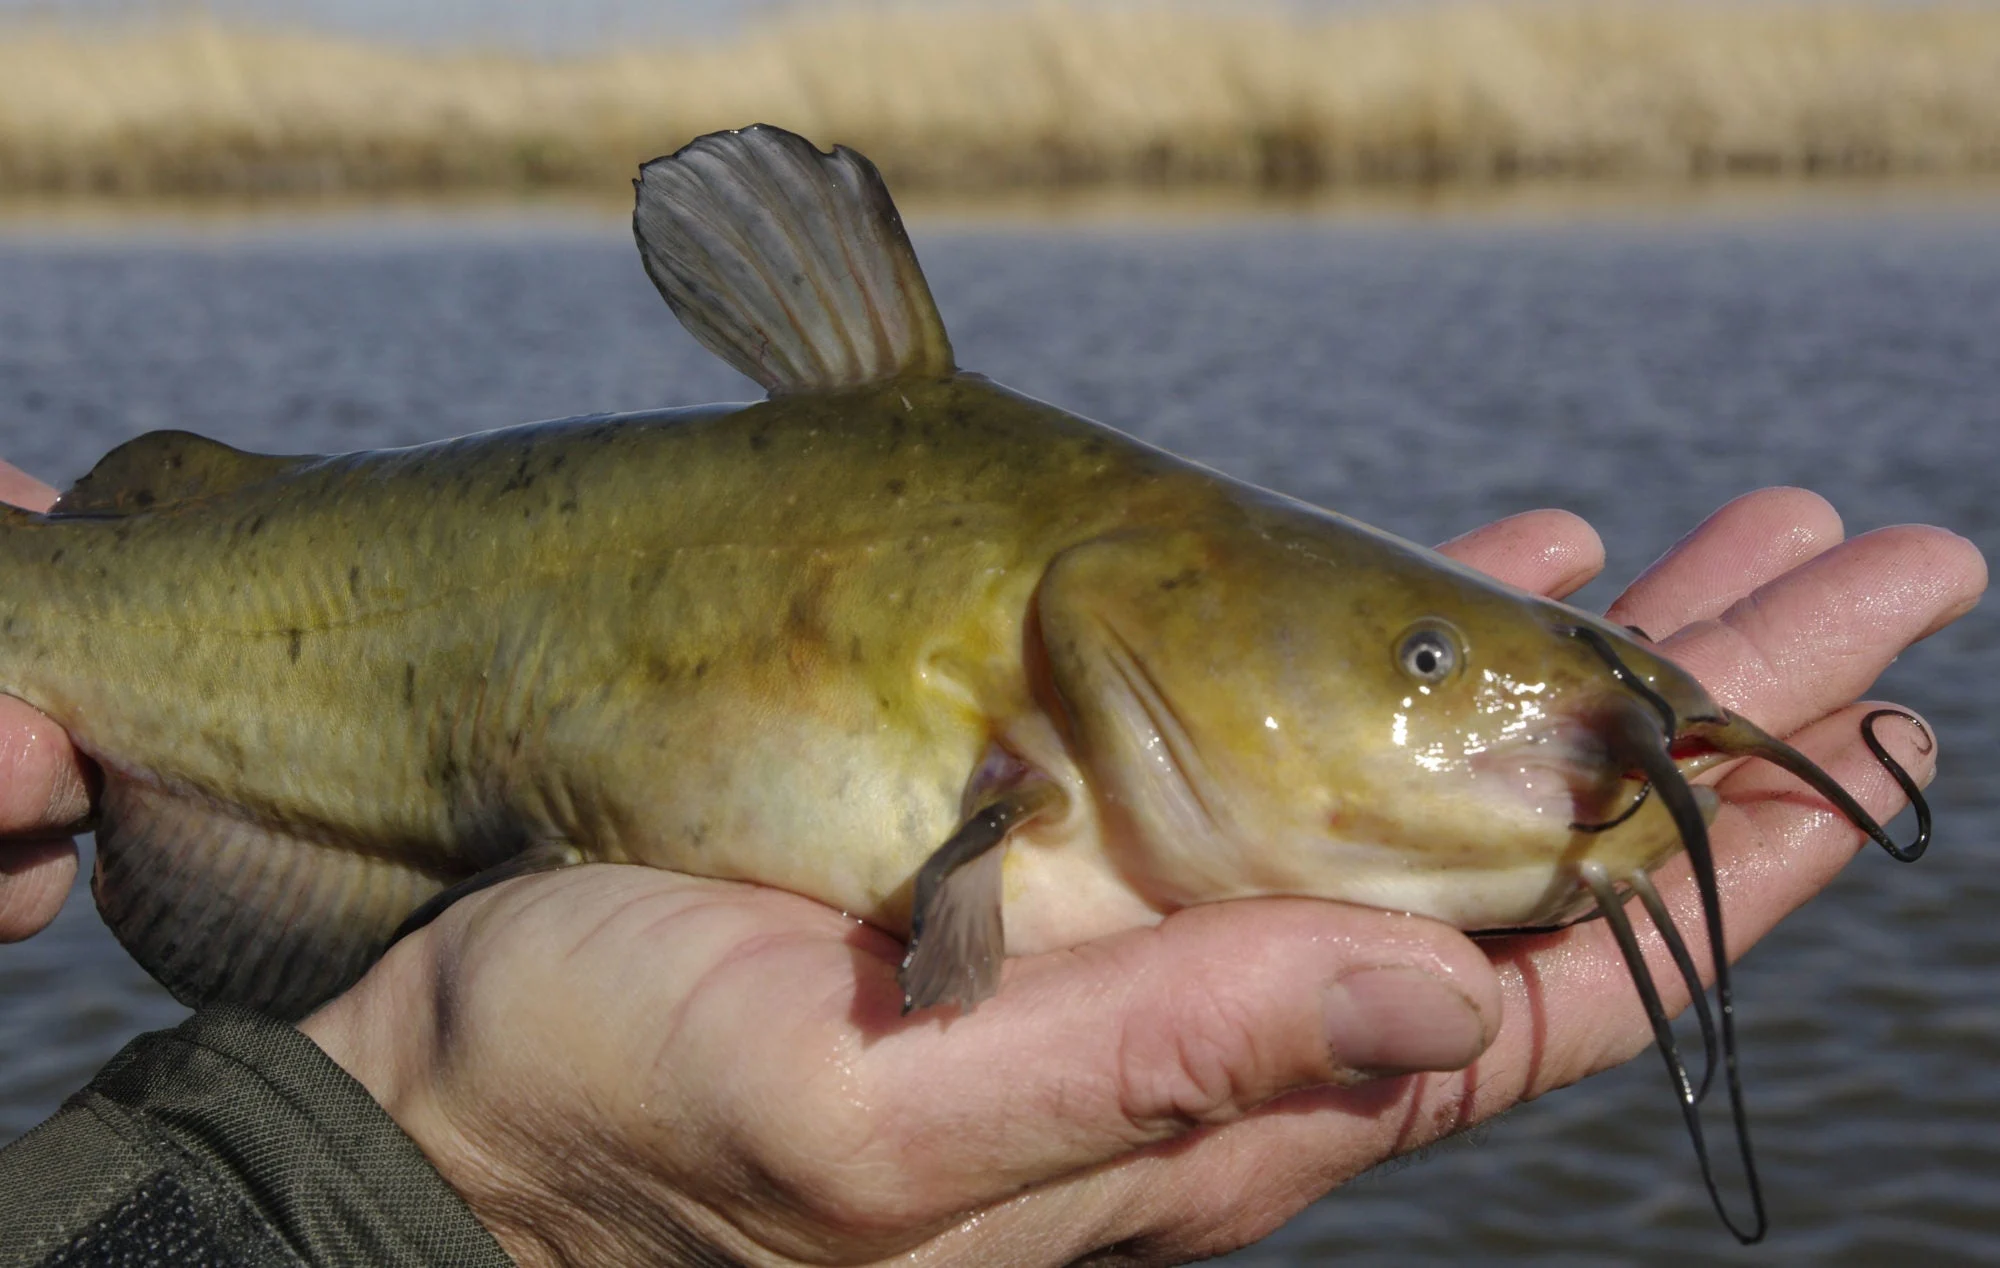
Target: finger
(1818, 636)
(1754, 539)
(35, 879)
(23, 490)
(1148, 1036)
(1546, 552)
(44, 787)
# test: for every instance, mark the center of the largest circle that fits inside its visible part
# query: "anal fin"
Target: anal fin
(222, 910)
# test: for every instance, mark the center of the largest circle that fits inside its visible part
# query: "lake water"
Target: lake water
(1425, 375)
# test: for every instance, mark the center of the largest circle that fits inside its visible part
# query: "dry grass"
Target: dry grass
(1049, 94)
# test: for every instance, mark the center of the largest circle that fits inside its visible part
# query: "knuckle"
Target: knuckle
(1194, 1064)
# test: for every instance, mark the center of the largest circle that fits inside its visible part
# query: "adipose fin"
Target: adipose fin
(161, 468)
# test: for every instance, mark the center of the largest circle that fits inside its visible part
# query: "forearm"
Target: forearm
(234, 1138)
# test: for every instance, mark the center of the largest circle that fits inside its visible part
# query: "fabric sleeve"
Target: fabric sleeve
(231, 1140)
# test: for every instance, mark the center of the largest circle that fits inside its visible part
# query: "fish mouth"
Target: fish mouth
(1644, 736)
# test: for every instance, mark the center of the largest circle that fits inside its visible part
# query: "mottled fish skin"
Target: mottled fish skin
(691, 638)
(766, 642)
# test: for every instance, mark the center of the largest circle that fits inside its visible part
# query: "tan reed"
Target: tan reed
(1046, 94)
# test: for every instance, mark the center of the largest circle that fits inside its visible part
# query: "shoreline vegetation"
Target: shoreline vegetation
(1047, 96)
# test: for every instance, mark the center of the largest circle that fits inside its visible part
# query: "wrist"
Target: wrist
(384, 1032)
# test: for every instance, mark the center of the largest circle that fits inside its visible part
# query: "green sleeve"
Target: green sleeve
(231, 1140)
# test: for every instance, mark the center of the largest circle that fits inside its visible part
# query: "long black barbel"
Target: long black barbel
(1636, 739)
(1648, 748)
(1739, 737)
(1663, 920)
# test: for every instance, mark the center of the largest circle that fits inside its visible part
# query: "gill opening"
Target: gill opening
(1645, 743)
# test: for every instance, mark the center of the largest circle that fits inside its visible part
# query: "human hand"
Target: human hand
(43, 787)
(617, 1065)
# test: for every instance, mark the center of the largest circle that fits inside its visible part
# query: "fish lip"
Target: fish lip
(1568, 761)
(1563, 769)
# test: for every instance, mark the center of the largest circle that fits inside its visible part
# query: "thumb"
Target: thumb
(1088, 1054)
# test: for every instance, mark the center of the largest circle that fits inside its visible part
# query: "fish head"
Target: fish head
(1295, 703)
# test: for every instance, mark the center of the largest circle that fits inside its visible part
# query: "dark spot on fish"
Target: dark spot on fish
(447, 772)
(958, 521)
(701, 668)
(1185, 577)
(514, 742)
(296, 640)
(895, 488)
(557, 463)
(12, 623)
(759, 440)
(354, 580)
(256, 526)
(409, 683)
(144, 498)
(521, 479)
(227, 747)
(56, 557)
(803, 614)
(568, 506)
(854, 649)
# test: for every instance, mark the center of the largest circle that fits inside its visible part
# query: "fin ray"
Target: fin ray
(957, 934)
(225, 911)
(788, 262)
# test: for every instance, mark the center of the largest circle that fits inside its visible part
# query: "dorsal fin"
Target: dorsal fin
(789, 263)
(163, 467)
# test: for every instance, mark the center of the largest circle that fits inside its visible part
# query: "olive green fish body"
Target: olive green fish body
(765, 642)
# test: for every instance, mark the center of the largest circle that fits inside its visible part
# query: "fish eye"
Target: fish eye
(1430, 653)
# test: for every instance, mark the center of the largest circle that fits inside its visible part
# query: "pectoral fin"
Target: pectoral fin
(957, 940)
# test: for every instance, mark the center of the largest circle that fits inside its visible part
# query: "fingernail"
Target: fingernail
(1397, 1020)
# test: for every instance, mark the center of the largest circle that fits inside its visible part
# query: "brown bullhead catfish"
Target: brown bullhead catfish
(974, 669)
